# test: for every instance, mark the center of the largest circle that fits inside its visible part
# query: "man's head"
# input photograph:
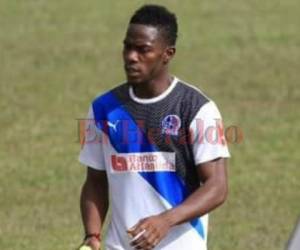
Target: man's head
(149, 44)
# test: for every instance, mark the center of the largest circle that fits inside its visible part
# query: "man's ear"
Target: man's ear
(169, 53)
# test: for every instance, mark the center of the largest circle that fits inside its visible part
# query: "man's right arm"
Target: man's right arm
(94, 204)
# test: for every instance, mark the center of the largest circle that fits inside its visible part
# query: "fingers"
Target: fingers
(147, 233)
(135, 229)
(139, 236)
(146, 239)
(151, 242)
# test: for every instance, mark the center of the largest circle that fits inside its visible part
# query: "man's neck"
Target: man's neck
(153, 88)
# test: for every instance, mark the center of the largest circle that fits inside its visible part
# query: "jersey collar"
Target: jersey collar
(154, 99)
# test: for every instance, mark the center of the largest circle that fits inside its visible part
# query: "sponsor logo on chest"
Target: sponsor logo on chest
(143, 162)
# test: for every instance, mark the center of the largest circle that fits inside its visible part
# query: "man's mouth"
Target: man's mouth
(132, 70)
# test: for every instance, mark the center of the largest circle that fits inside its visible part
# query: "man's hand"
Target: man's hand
(151, 230)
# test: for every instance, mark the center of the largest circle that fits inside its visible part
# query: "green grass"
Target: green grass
(56, 56)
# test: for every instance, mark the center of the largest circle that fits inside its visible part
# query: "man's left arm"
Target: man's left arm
(213, 193)
(206, 198)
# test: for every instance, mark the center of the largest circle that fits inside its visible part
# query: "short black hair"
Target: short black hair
(160, 17)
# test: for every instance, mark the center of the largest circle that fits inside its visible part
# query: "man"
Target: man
(158, 149)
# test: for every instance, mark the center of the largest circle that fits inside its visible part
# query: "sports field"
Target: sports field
(56, 56)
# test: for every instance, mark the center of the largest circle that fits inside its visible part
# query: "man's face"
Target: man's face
(144, 53)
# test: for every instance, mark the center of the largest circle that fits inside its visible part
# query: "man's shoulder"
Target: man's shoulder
(192, 94)
(202, 106)
(108, 94)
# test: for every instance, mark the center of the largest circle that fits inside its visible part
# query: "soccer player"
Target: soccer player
(154, 147)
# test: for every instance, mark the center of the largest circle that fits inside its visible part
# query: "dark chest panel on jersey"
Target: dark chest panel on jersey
(166, 124)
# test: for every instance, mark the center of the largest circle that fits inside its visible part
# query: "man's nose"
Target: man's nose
(131, 56)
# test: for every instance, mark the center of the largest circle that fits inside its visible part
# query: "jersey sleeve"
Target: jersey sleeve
(92, 153)
(207, 134)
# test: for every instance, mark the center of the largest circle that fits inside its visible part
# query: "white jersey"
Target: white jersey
(150, 149)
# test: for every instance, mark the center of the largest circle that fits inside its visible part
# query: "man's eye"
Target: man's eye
(144, 49)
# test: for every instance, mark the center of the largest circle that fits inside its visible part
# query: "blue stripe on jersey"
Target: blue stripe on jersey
(117, 123)
(107, 112)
